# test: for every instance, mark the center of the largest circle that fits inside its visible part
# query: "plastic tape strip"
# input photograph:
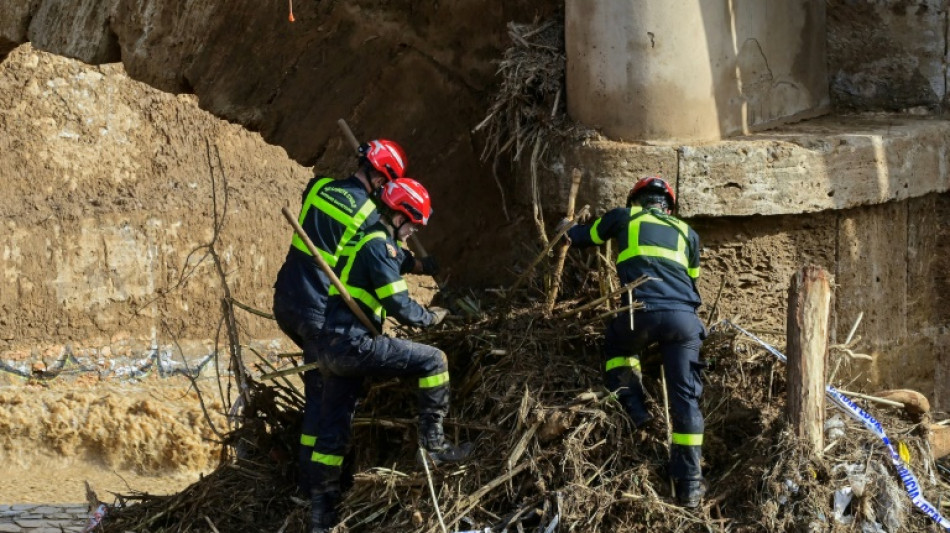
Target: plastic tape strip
(911, 485)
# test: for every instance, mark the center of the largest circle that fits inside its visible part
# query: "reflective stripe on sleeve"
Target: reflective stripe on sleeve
(392, 288)
(308, 440)
(594, 235)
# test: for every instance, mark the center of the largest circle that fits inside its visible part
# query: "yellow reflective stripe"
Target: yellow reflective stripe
(391, 289)
(594, 235)
(367, 299)
(350, 223)
(308, 440)
(326, 459)
(693, 272)
(618, 362)
(633, 242)
(357, 293)
(297, 242)
(688, 439)
(434, 381)
(354, 225)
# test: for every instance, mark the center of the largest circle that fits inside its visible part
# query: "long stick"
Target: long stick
(562, 251)
(329, 272)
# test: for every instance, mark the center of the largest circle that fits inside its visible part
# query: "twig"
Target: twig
(435, 499)
(251, 310)
(874, 399)
(608, 314)
(669, 428)
(544, 252)
(210, 524)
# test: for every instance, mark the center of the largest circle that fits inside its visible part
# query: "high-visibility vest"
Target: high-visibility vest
(632, 248)
(370, 299)
(350, 223)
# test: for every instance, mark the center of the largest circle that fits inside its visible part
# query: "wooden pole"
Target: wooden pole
(809, 309)
(562, 252)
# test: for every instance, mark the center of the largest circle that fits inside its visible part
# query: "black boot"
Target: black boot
(323, 514)
(689, 492)
(432, 439)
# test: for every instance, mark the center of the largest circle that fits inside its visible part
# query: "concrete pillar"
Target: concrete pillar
(651, 70)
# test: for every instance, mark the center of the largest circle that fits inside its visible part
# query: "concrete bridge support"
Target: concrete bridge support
(694, 69)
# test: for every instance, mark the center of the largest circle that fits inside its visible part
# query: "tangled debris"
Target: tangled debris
(554, 452)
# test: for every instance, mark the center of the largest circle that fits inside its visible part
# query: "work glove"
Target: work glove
(430, 266)
(439, 314)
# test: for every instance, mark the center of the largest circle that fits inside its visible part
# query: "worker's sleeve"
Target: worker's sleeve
(695, 250)
(391, 289)
(601, 230)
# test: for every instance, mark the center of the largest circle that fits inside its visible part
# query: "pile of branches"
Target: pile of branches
(553, 449)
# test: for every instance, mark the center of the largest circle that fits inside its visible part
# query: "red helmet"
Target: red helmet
(652, 185)
(409, 197)
(385, 156)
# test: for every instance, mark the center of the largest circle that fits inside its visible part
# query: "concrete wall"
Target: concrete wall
(694, 70)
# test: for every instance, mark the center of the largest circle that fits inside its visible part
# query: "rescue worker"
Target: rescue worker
(348, 352)
(332, 212)
(652, 242)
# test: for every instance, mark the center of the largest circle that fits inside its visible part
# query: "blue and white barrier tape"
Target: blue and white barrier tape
(911, 485)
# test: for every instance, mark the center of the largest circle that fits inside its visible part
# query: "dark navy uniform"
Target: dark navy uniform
(332, 213)
(370, 271)
(666, 249)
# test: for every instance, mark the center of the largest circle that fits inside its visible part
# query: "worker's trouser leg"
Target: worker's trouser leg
(622, 350)
(342, 356)
(303, 327)
(682, 339)
(679, 335)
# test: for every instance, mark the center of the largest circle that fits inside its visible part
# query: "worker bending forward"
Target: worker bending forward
(369, 269)
(651, 242)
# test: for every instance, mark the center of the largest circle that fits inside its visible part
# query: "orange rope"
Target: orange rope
(291, 17)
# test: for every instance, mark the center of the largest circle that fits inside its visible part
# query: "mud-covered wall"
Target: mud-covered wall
(110, 195)
(889, 262)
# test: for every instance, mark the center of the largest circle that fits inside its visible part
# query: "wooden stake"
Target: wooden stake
(565, 247)
(809, 306)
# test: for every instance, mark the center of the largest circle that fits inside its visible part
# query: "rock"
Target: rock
(939, 437)
(914, 402)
